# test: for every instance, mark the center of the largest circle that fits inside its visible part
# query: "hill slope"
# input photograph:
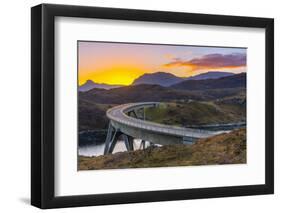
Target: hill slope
(196, 113)
(227, 148)
(210, 75)
(142, 93)
(233, 81)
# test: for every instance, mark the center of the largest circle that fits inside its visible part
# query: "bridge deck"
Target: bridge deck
(118, 114)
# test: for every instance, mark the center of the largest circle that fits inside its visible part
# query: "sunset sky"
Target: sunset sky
(122, 63)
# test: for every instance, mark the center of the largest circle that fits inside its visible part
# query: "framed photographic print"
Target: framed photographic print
(140, 106)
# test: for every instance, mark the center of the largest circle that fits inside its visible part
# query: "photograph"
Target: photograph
(140, 105)
(143, 105)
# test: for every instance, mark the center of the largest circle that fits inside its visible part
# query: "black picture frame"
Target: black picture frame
(43, 117)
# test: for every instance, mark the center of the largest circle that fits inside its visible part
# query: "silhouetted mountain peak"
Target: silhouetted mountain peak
(159, 78)
(89, 84)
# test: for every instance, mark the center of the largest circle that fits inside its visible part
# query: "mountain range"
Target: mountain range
(158, 78)
(168, 79)
(188, 89)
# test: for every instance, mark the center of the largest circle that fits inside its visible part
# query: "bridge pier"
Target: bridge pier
(138, 114)
(113, 134)
(142, 145)
(133, 114)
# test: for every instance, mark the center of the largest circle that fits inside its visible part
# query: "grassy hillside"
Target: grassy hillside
(227, 148)
(196, 113)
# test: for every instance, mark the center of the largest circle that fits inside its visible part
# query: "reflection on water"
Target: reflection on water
(96, 150)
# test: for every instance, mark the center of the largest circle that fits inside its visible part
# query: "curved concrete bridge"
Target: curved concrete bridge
(128, 122)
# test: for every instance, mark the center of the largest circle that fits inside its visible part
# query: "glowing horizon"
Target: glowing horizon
(121, 63)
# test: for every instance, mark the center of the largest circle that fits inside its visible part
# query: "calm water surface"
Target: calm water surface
(96, 150)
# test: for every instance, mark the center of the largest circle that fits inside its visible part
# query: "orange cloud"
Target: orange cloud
(210, 61)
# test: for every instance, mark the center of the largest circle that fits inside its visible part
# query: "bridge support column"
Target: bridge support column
(112, 136)
(113, 142)
(129, 142)
(139, 114)
(142, 145)
(111, 139)
(133, 114)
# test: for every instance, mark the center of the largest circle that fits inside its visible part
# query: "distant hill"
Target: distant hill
(233, 81)
(91, 85)
(145, 92)
(160, 78)
(210, 75)
(137, 93)
(94, 103)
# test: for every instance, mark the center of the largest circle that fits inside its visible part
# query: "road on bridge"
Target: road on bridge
(119, 115)
(121, 124)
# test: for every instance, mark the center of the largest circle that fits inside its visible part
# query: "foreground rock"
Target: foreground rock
(229, 148)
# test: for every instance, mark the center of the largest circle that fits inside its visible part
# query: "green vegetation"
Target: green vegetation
(196, 113)
(228, 148)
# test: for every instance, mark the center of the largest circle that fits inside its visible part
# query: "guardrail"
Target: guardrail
(118, 114)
